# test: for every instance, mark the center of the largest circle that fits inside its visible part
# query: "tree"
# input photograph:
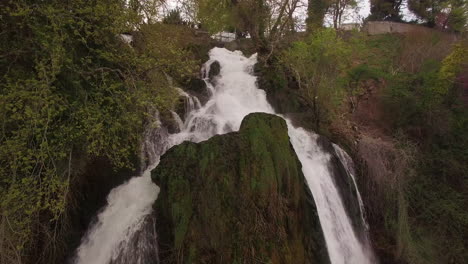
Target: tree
(458, 16)
(385, 10)
(317, 64)
(441, 13)
(266, 21)
(337, 9)
(147, 9)
(173, 17)
(426, 9)
(316, 10)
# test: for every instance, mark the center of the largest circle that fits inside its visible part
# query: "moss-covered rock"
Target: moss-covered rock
(283, 92)
(237, 198)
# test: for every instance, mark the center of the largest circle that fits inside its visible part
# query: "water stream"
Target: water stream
(234, 95)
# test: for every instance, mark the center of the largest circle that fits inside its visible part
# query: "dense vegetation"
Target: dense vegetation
(399, 104)
(428, 112)
(71, 91)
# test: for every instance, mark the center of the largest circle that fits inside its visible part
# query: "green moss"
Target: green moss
(237, 198)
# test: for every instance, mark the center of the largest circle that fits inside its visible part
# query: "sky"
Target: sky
(363, 11)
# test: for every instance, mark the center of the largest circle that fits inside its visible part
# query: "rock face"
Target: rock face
(197, 87)
(215, 69)
(237, 198)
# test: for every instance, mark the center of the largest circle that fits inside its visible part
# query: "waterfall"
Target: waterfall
(349, 166)
(234, 94)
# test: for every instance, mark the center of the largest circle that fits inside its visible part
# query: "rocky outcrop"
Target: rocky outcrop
(245, 45)
(237, 198)
(197, 87)
(215, 70)
(283, 93)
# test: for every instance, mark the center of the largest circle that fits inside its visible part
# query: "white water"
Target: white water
(349, 166)
(233, 97)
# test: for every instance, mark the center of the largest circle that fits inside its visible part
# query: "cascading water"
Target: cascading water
(233, 96)
(349, 166)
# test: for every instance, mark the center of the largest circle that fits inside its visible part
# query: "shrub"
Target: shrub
(317, 64)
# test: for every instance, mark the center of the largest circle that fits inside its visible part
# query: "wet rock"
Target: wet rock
(245, 45)
(197, 87)
(345, 185)
(215, 69)
(180, 107)
(168, 121)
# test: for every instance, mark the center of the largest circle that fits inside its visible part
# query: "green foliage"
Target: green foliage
(420, 173)
(363, 72)
(427, 108)
(173, 17)
(229, 15)
(215, 15)
(388, 10)
(71, 90)
(165, 49)
(426, 9)
(380, 52)
(458, 16)
(451, 14)
(318, 63)
(452, 67)
(316, 10)
(417, 80)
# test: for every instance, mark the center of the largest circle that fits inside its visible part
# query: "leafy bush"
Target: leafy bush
(317, 63)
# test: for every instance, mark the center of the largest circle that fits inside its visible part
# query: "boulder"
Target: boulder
(197, 87)
(215, 70)
(237, 198)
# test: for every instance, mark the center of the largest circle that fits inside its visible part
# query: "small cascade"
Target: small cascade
(191, 103)
(206, 68)
(155, 143)
(141, 246)
(124, 215)
(119, 233)
(349, 166)
(343, 243)
(178, 120)
(115, 235)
